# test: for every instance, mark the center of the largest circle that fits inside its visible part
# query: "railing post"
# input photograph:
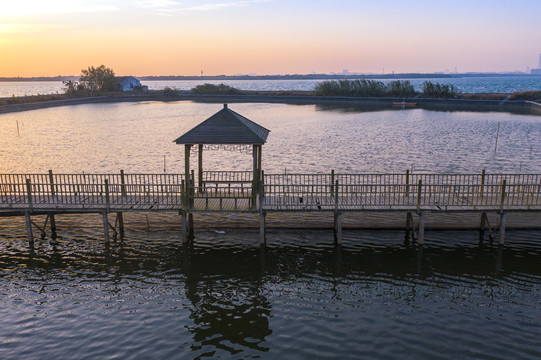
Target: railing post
(482, 190)
(332, 183)
(51, 182)
(419, 196)
(336, 196)
(29, 195)
(122, 184)
(502, 196)
(407, 183)
(107, 200)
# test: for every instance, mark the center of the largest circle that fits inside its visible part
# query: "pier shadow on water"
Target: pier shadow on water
(301, 296)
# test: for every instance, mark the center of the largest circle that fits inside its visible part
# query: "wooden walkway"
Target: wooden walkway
(232, 191)
(229, 191)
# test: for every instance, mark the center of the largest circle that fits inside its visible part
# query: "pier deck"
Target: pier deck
(228, 191)
(234, 191)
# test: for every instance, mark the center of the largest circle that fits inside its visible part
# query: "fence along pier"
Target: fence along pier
(415, 195)
(256, 192)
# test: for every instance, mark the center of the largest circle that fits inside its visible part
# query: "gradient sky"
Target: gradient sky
(176, 37)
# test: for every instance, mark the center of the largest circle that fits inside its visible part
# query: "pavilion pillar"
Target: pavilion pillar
(187, 149)
(200, 167)
(259, 161)
(255, 179)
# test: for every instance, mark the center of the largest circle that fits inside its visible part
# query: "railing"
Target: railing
(227, 176)
(90, 190)
(233, 191)
(360, 194)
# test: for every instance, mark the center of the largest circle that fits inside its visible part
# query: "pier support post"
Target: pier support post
(29, 234)
(484, 226)
(191, 232)
(338, 227)
(421, 236)
(410, 228)
(106, 228)
(501, 240)
(184, 227)
(262, 234)
(120, 220)
(53, 225)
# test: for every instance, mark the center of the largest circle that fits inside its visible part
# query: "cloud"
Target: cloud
(176, 7)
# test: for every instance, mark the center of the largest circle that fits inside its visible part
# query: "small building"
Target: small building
(128, 83)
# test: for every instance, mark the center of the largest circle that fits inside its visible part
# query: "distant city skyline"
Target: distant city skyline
(264, 37)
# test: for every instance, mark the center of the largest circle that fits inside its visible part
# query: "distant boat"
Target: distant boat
(404, 104)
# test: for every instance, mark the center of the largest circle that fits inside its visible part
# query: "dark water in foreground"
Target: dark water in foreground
(302, 297)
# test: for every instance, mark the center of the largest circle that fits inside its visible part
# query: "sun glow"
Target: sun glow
(181, 37)
(40, 7)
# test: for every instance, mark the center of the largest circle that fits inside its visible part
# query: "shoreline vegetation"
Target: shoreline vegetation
(361, 91)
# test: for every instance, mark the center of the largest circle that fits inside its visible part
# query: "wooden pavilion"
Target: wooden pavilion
(226, 128)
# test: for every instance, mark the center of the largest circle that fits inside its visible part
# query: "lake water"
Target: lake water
(147, 296)
(496, 84)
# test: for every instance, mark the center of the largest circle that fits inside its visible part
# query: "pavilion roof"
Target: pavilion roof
(225, 127)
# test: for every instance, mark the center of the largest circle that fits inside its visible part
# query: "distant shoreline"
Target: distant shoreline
(351, 76)
(520, 106)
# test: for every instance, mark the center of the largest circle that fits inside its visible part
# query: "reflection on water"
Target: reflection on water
(301, 297)
(230, 312)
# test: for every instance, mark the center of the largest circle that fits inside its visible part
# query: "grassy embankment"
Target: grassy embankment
(347, 88)
(367, 88)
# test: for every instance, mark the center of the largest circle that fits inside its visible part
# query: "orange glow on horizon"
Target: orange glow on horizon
(259, 36)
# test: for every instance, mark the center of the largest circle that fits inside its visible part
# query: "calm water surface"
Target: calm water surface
(147, 296)
(496, 84)
(136, 137)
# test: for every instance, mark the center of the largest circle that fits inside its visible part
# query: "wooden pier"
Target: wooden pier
(254, 191)
(237, 191)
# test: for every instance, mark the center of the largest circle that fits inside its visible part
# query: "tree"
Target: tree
(97, 79)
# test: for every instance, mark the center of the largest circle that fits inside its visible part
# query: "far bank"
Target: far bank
(476, 102)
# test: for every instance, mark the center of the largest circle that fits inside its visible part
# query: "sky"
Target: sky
(228, 37)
